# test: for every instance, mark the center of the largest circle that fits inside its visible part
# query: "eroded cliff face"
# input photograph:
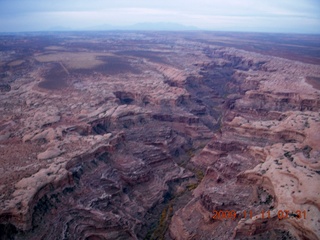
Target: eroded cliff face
(263, 161)
(176, 132)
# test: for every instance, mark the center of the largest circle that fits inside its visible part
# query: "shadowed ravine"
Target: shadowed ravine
(129, 142)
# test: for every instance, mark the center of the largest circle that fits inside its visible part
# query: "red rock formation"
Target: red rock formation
(132, 138)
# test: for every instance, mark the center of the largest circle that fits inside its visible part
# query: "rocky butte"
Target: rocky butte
(137, 135)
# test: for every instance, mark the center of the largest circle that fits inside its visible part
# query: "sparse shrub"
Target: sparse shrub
(190, 153)
(192, 186)
(199, 175)
(165, 216)
(288, 156)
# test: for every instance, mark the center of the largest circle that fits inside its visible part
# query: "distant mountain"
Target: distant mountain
(104, 27)
(160, 26)
(147, 26)
(59, 28)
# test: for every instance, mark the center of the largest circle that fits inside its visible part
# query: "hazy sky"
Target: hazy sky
(301, 16)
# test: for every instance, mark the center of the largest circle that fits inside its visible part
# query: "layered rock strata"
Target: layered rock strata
(108, 139)
(264, 160)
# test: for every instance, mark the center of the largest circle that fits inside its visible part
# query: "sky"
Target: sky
(286, 16)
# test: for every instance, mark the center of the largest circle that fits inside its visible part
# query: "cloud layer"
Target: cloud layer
(301, 16)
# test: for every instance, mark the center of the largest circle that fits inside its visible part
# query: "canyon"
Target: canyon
(143, 135)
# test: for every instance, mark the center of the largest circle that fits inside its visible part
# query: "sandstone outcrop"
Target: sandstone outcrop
(264, 158)
(108, 139)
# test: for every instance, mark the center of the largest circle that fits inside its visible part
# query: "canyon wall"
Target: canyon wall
(153, 150)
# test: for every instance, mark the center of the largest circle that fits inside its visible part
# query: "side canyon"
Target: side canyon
(136, 135)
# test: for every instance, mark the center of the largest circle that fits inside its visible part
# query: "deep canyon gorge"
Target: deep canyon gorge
(133, 135)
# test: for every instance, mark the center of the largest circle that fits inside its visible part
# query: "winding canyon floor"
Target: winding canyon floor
(159, 135)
